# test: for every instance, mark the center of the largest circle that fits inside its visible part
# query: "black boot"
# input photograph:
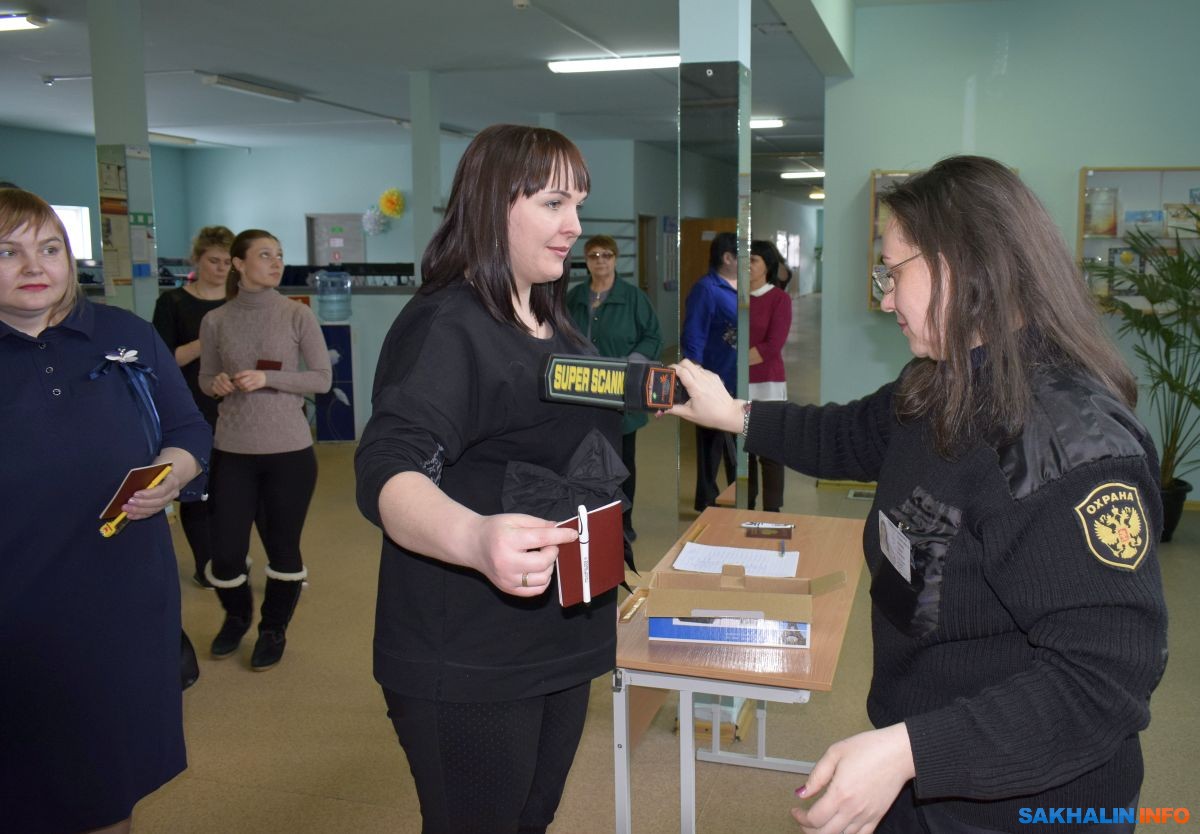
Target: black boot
(189, 667)
(279, 602)
(239, 608)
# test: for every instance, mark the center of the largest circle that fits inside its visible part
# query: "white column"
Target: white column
(123, 154)
(714, 30)
(426, 162)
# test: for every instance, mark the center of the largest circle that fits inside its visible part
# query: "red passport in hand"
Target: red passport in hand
(141, 477)
(599, 553)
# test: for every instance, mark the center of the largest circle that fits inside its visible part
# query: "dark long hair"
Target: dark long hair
(1011, 285)
(238, 249)
(771, 258)
(502, 164)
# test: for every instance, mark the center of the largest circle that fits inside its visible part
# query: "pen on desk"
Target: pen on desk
(782, 552)
(633, 609)
(110, 528)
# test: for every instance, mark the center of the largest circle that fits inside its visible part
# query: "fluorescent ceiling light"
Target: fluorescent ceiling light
(802, 175)
(765, 124)
(613, 64)
(817, 194)
(16, 22)
(249, 88)
(51, 80)
(170, 139)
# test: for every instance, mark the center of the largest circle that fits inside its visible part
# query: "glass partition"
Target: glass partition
(714, 197)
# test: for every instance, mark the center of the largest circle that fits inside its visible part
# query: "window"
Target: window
(78, 222)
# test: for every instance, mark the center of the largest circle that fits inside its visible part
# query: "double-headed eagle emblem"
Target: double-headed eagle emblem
(1114, 524)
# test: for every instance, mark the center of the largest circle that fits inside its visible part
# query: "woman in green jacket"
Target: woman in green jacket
(619, 320)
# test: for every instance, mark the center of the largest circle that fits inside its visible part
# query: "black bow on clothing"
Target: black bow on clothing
(593, 478)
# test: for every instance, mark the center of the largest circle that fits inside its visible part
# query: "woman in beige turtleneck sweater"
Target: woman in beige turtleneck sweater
(251, 354)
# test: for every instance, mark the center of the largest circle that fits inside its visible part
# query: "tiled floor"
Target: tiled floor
(307, 748)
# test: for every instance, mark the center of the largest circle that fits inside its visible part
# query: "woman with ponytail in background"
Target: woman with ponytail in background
(251, 354)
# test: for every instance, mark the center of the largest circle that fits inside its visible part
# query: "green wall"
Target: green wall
(61, 168)
(1046, 87)
(274, 188)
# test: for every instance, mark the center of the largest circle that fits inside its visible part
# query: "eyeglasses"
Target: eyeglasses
(884, 277)
(600, 256)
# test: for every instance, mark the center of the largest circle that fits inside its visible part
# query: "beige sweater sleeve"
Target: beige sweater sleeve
(318, 376)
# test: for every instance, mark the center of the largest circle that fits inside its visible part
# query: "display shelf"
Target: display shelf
(1114, 201)
(881, 181)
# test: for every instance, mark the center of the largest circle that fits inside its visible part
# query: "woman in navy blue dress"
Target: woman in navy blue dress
(90, 700)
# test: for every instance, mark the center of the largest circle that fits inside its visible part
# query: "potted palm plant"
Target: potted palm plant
(1166, 326)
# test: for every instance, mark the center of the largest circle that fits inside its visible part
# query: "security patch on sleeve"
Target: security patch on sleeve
(1114, 525)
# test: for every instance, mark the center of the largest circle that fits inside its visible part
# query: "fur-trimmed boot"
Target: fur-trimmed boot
(279, 602)
(238, 602)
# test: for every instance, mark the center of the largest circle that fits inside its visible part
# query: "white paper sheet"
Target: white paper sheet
(707, 558)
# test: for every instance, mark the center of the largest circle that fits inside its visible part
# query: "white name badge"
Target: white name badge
(895, 546)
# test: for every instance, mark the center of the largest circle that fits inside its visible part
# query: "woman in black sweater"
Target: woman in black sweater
(1017, 610)
(177, 317)
(486, 676)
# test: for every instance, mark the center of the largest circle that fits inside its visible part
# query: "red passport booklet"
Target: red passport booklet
(135, 479)
(268, 365)
(604, 549)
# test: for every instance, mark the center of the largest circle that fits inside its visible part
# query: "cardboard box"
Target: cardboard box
(733, 608)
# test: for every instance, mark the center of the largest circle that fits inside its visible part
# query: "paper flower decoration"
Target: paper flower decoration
(391, 202)
(373, 221)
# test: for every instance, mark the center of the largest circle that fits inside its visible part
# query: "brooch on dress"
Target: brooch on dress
(126, 356)
(140, 378)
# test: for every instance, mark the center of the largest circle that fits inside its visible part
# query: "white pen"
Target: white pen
(584, 558)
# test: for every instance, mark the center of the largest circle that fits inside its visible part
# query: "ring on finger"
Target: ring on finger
(524, 580)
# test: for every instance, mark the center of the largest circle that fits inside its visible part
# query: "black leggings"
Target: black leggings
(772, 483)
(629, 485)
(489, 768)
(196, 519)
(278, 488)
(712, 448)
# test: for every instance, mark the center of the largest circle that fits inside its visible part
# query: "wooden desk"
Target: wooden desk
(759, 673)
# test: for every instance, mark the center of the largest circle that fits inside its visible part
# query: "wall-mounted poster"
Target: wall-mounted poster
(114, 217)
(1100, 212)
(1149, 221)
(1126, 258)
(1182, 219)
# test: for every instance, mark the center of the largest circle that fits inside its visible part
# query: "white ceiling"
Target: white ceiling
(356, 55)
